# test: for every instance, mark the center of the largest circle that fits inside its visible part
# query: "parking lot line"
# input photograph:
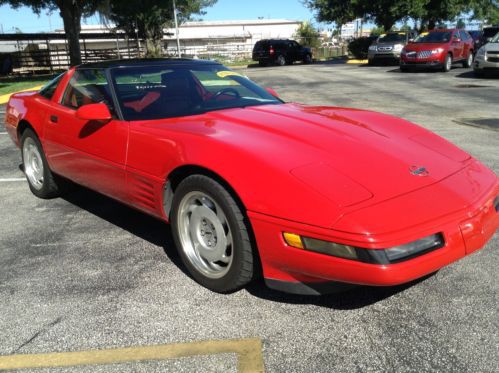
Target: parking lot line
(12, 179)
(249, 352)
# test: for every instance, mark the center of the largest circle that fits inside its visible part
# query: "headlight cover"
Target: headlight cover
(437, 51)
(398, 47)
(373, 256)
(481, 52)
(373, 48)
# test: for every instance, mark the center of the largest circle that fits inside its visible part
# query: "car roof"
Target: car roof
(144, 62)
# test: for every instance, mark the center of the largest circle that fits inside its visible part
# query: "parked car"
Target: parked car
(487, 34)
(280, 52)
(475, 35)
(303, 195)
(438, 49)
(389, 46)
(487, 57)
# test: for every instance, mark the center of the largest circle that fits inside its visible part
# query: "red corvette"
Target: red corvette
(307, 196)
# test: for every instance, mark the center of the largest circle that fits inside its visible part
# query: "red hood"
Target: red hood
(425, 46)
(371, 153)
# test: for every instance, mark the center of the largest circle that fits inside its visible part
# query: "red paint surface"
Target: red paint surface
(331, 173)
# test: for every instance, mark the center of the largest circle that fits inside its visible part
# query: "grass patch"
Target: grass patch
(16, 83)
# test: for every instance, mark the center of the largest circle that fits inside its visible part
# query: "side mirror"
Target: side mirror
(98, 112)
(272, 92)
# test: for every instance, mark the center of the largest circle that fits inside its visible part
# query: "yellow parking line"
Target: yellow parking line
(357, 61)
(249, 353)
(5, 98)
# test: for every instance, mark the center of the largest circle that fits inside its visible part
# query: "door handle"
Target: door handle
(54, 118)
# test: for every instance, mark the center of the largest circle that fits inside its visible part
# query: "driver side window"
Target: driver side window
(87, 86)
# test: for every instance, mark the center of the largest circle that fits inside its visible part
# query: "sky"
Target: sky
(27, 21)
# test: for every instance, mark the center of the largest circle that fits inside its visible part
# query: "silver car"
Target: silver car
(388, 46)
(487, 57)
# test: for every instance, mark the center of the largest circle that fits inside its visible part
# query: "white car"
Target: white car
(487, 57)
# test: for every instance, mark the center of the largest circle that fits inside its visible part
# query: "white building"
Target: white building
(204, 39)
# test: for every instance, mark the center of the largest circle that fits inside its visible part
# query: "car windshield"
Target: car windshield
(155, 92)
(495, 39)
(393, 38)
(434, 37)
(490, 32)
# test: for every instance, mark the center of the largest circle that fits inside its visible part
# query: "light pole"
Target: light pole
(176, 29)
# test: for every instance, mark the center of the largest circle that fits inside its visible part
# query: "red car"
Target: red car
(306, 196)
(438, 49)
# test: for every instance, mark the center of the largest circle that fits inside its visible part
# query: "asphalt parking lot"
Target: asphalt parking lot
(84, 273)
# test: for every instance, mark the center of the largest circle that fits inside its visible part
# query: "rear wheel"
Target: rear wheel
(404, 69)
(41, 181)
(469, 61)
(212, 235)
(280, 60)
(447, 63)
(307, 59)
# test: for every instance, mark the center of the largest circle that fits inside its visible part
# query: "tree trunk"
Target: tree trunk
(70, 11)
(153, 38)
(432, 23)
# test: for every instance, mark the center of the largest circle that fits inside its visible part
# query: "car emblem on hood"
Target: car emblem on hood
(419, 171)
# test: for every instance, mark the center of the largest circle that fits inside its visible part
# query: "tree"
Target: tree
(308, 35)
(149, 17)
(486, 11)
(71, 12)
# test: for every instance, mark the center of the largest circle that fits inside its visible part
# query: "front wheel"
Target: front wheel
(469, 61)
(447, 63)
(307, 59)
(41, 181)
(212, 235)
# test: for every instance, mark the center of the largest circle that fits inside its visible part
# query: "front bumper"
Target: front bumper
(421, 64)
(300, 271)
(375, 56)
(482, 64)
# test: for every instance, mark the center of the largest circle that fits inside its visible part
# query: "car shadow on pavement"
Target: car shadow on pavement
(471, 75)
(354, 298)
(159, 234)
(133, 221)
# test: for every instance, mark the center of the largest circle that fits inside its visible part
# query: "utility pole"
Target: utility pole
(176, 29)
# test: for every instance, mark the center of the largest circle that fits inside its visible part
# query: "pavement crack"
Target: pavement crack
(41, 331)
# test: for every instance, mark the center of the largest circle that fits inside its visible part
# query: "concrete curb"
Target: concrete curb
(5, 98)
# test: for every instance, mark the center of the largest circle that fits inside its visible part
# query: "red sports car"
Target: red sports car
(438, 49)
(307, 196)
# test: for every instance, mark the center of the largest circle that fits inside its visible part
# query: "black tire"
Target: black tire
(262, 63)
(447, 63)
(47, 187)
(280, 60)
(404, 69)
(241, 269)
(307, 60)
(370, 62)
(468, 62)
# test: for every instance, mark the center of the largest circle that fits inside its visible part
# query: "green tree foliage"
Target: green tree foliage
(428, 13)
(149, 17)
(71, 12)
(307, 35)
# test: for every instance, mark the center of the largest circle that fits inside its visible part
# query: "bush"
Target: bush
(359, 47)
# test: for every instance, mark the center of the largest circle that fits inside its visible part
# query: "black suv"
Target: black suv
(280, 52)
